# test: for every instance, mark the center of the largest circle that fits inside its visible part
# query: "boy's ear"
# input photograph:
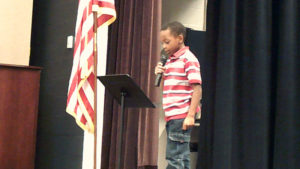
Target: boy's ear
(181, 38)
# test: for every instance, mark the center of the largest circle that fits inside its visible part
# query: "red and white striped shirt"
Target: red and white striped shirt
(182, 70)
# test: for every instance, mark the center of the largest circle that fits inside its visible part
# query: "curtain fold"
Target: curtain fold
(133, 49)
(251, 86)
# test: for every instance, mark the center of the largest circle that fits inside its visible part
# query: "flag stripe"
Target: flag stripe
(106, 4)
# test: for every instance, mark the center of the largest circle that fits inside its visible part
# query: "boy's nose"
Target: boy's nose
(164, 46)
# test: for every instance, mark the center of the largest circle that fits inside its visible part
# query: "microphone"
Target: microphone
(163, 60)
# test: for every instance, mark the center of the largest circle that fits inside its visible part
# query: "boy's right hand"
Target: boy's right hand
(159, 68)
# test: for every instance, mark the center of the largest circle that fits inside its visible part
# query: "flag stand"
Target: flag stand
(86, 51)
(95, 26)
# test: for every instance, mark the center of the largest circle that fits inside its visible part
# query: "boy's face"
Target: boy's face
(170, 42)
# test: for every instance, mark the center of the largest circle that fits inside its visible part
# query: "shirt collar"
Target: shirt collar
(179, 53)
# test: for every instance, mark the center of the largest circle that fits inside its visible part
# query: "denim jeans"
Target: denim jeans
(178, 145)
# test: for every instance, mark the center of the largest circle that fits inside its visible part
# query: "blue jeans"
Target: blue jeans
(178, 145)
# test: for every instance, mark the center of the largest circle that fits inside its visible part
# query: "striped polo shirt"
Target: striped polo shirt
(182, 70)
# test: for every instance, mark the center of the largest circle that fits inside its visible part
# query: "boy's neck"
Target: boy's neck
(181, 46)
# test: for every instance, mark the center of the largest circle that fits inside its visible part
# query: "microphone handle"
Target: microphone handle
(158, 79)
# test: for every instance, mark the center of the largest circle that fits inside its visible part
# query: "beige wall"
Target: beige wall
(15, 31)
(191, 13)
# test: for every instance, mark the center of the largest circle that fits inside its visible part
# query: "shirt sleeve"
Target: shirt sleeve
(192, 70)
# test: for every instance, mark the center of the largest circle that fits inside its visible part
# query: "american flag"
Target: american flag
(80, 102)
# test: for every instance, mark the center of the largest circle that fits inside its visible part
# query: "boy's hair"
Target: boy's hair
(176, 28)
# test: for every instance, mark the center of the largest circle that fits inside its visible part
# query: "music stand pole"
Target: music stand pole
(119, 150)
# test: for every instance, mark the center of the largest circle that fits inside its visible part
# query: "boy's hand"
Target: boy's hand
(188, 122)
(159, 68)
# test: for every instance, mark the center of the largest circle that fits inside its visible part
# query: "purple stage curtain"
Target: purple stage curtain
(134, 49)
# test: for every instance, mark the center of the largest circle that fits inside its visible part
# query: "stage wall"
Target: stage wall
(15, 31)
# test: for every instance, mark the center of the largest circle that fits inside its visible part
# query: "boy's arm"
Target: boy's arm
(196, 97)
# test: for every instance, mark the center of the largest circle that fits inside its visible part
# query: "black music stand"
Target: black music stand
(128, 94)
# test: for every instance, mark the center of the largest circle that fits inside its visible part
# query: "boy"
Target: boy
(181, 94)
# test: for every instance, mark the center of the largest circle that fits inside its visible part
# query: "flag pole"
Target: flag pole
(95, 26)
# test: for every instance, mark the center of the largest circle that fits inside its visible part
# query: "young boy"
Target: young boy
(181, 94)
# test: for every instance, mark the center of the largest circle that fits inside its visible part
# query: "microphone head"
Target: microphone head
(164, 57)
